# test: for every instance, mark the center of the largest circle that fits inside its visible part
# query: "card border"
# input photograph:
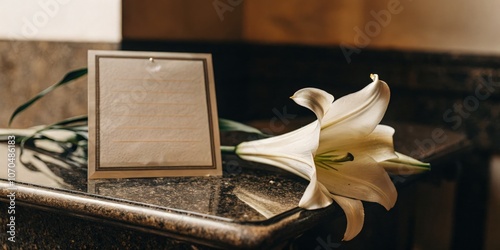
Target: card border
(95, 171)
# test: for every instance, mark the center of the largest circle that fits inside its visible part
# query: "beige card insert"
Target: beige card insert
(152, 115)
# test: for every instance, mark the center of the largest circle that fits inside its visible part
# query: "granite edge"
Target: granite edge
(183, 226)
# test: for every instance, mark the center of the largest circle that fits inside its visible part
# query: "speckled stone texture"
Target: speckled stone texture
(251, 206)
(28, 67)
(39, 229)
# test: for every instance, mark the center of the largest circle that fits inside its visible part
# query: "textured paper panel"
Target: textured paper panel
(151, 112)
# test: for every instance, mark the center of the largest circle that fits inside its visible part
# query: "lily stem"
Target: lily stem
(228, 149)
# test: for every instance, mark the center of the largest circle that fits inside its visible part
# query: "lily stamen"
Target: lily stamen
(334, 158)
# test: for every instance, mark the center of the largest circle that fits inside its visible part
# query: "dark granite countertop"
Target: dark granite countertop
(250, 206)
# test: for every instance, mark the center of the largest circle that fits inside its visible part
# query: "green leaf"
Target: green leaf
(66, 79)
(5, 137)
(229, 125)
(69, 122)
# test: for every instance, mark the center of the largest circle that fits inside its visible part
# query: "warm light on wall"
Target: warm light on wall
(61, 20)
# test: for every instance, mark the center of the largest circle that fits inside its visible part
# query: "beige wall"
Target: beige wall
(447, 25)
(461, 26)
(450, 25)
(181, 20)
(295, 21)
(61, 20)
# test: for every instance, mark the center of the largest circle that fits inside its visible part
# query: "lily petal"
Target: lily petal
(404, 165)
(292, 152)
(316, 100)
(316, 195)
(378, 145)
(357, 114)
(355, 214)
(360, 179)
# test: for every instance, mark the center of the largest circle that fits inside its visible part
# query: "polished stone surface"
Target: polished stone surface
(251, 205)
(251, 195)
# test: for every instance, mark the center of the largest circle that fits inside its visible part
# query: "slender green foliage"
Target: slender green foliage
(70, 76)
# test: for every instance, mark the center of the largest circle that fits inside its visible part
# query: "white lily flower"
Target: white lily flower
(351, 145)
(347, 163)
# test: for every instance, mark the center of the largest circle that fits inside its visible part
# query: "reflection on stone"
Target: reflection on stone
(246, 192)
(45, 170)
(261, 203)
(233, 197)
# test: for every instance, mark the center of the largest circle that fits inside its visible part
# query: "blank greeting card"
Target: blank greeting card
(152, 114)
